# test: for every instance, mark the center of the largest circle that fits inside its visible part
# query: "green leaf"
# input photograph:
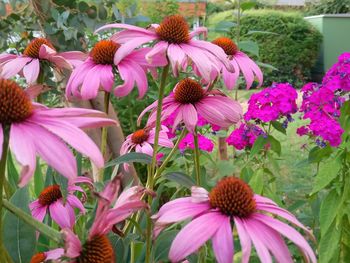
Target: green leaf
(180, 178)
(63, 183)
(329, 245)
(249, 46)
(265, 65)
(83, 6)
(38, 179)
(132, 157)
(328, 211)
(327, 172)
(278, 126)
(275, 145)
(224, 26)
(252, 32)
(162, 245)
(19, 237)
(257, 181)
(247, 5)
(258, 145)
(12, 172)
(317, 154)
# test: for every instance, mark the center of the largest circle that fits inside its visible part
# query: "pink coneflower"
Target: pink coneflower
(141, 140)
(189, 99)
(38, 50)
(46, 256)
(61, 211)
(174, 41)
(98, 69)
(111, 210)
(232, 201)
(240, 62)
(36, 129)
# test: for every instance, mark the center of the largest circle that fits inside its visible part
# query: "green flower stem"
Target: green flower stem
(150, 178)
(104, 136)
(51, 233)
(5, 146)
(170, 155)
(196, 158)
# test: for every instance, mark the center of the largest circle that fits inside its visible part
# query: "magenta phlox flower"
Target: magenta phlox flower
(244, 136)
(272, 103)
(204, 143)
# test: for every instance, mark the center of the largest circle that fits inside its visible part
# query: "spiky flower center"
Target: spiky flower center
(103, 52)
(233, 197)
(38, 258)
(97, 250)
(15, 105)
(50, 195)
(188, 91)
(33, 48)
(227, 45)
(174, 29)
(139, 136)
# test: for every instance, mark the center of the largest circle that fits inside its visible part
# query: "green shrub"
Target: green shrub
(292, 49)
(329, 7)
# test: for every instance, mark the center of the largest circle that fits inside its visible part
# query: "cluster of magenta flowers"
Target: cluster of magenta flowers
(128, 56)
(272, 103)
(322, 102)
(245, 136)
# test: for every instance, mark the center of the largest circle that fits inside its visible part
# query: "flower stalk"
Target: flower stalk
(196, 158)
(104, 136)
(5, 146)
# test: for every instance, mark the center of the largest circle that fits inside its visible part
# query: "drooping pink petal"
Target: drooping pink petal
(126, 74)
(176, 57)
(230, 109)
(140, 77)
(189, 116)
(223, 242)
(75, 202)
(45, 52)
(49, 147)
(13, 67)
(126, 26)
(288, 232)
(4, 57)
(246, 70)
(78, 139)
(246, 243)
(72, 243)
(230, 78)
(211, 114)
(23, 148)
(260, 247)
(106, 77)
(128, 47)
(146, 148)
(38, 211)
(195, 234)
(128, 35)
(91, 83)
(31, 71)
(60, 214)
(54, 254)
(158, 49)
(76, 58)
(199, 194)
(272, 240)
(198, 31)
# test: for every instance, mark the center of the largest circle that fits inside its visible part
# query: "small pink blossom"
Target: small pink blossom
(244, 136)
(204, 143)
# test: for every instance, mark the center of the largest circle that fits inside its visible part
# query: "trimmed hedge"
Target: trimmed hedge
(293, 49)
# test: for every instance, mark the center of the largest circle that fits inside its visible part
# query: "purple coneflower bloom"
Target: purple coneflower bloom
(28, 64)
(240, 62)
(174, 41)
(232, 201)
(36, 129)
(61, 211)
(189, 99)
(98, 71)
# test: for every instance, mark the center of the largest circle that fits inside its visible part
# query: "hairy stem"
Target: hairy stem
(104, 136)
(196, 158)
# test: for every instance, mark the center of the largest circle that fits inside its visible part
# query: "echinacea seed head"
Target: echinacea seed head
(139, 136)
(174, 29)
(33, 48)
(233, 197)
(188, 91)
(227, 45)
(50, 195)
(15, 105)
(97, 250)
(103, 52)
